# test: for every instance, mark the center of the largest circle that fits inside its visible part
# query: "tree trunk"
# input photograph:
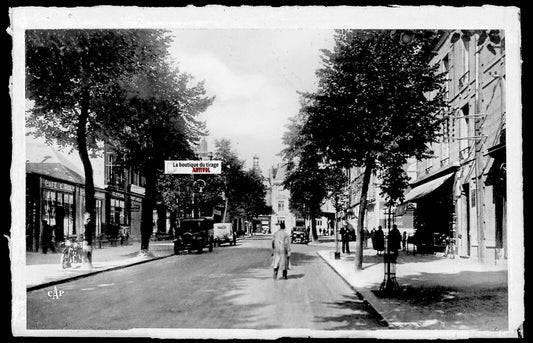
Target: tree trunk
(90, 202)
(361, 220)
(148, 208)
(313, 225)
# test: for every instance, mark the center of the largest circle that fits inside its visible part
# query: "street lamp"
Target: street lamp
(389, 283)
(337, 252)
(201, 184)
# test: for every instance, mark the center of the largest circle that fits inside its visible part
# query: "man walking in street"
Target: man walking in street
(281, 243)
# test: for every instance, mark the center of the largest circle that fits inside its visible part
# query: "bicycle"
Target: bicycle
(72, 252)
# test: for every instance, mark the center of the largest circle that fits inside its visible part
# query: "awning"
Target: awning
(426, 188)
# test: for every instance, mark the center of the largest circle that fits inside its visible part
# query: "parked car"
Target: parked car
(223, 233)
(194, 234)
(299, 235)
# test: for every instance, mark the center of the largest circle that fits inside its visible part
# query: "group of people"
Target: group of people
(396, 241)
(281, 244)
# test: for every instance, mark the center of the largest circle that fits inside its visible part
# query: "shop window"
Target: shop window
(58, 211)
(117, 212)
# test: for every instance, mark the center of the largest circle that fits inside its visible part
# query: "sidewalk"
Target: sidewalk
(44, 270)
(436, 293)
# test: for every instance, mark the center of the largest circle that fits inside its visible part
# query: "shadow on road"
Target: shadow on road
(295, 276)
(348, 321)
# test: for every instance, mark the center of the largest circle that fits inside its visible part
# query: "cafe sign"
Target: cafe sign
(58, 186)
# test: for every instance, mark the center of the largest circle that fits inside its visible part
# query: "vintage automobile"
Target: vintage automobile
(194, 234)
(299, 235)
(223, 233)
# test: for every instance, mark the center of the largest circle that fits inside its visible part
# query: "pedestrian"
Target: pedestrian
(320, 231)
(345, 238)
(378, 240)
(366, 234)
(394, 240)
(307, 234)
(47, 237)
(59, 235)
(281, 245)
(404, 241)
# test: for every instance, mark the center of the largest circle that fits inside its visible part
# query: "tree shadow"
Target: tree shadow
(464, 300)
(349, 321)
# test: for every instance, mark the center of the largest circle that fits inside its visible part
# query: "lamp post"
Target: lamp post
(389, 283)
(200, 187)
(337, 252)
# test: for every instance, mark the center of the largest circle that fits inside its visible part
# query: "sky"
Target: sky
(255, 76)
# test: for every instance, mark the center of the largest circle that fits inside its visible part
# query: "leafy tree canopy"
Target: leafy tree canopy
(66, 69)
(378, 102)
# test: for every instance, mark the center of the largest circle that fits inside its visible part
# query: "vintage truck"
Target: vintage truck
(224, 233)
(194, 234)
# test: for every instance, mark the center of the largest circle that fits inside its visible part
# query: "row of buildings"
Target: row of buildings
(55, 192)
(278, 198)
(457, 198)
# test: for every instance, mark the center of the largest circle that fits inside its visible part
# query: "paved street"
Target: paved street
(230, 288)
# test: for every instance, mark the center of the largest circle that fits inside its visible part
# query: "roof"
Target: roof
(278, 173)
(42, 159)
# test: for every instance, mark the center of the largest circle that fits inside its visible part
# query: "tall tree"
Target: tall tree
(310, 179)
(71, 79)
(156, 120)
(243, 189)
(379, 102)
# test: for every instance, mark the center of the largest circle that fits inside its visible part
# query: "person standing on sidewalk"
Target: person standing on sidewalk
(394, 240)
(378, 240)
(281, 244)
(47, 237)
(345, 238)
(366, 234)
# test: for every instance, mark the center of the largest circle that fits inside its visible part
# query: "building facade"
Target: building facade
(124, 187)
(55, 192)
(460, 192)
(278, 197)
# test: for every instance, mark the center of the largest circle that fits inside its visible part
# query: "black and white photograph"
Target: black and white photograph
(264, 172)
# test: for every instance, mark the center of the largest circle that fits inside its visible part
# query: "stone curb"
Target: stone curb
(72, 278)
(382, 321)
